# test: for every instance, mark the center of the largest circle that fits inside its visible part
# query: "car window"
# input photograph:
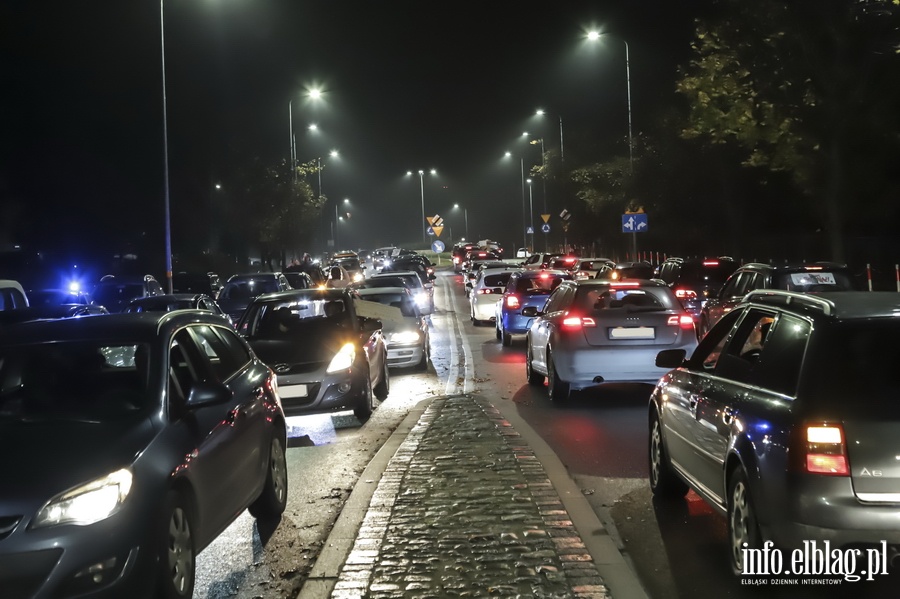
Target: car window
(731, 285)
(538, 285)
(559, 299)
(820, 280)
(743, 351)
(222, 360)
(706, 356)
(781, 358)
(497, 280)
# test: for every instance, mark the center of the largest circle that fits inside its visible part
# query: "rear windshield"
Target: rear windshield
(562, 263)
(603, 298)
(700, 275)
(239, 290)
(538, 285)
(498, 280)
(815, 280)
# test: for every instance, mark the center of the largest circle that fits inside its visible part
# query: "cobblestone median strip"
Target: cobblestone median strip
(464, 509)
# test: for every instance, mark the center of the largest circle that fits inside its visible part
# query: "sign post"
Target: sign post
(634, 223)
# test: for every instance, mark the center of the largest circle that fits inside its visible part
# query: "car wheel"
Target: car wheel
(497, 331)
(505, 337)
(664, 482)
(271, 502)
(556, 387)
(533, 377)
(364, 410)
(383, 387)
(423, 363)
(175, 574)
(743, 529)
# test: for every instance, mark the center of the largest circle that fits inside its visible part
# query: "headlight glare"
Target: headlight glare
(405, 337)
(343, 359)
(89, 503)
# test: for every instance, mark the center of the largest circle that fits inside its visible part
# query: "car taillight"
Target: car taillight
(685, 321)
(512, 301)
(455, 260)
(573, 322)
(826, 452)
(685, 294)
(485, 291)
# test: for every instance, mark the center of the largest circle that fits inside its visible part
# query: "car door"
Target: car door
(543, 327)
(732, 293)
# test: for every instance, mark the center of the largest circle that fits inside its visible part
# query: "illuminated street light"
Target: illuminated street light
(509, 154)
(168, 216)
(422, 192)
(562, 154)
(466, 212)
(313, 94)
(334, 227)
(531, 212)
(332, 154)
(594, 36)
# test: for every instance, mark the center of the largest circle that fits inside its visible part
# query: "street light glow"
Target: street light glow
(593, 35)
(314, 93)
(313, 127)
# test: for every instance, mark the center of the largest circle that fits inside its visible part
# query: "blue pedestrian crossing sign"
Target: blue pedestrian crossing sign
(634, 223)
(529, 231)
(545, 228)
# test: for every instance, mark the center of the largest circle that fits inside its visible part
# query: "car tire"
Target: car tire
(176, 549)
(423, 363)
(743, 527)
(273, 499)
(364, 410)
(557, 388)
(664, 483)
(533, 378)
(383, 387)
(497, 331)
(505, 338)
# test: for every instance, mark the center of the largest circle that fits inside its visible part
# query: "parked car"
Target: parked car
(487, 289)
(592, 332)
(176, 301)
(135, 458)
(525, 288)
(240, 290)
(405, 327)
(113, 292)
(12, 295)
(695, 280)
(627, 270)
(423, 295)
(327, 357)
(816, 276)
(785, 421)
(208, 283)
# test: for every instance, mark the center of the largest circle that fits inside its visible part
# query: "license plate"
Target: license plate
(288, 391)
(632, 333)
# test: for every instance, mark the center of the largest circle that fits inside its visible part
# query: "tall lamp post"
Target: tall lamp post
(422, 194)
(466, 213)
(522, 178)
(162, 40)
(314, 94)
(562, 154)
(531, 212)
(337, 218)
(594, 36)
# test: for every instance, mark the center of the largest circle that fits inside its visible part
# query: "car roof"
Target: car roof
(541, 273)
(794, 267)
(839, 305)
(364, 291)
(636, 283)
(326, 293)
(160, 299)
(253, 275)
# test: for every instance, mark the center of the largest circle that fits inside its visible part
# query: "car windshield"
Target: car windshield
(159, 305)
(603, 298)
(349, 263)
(88, 381)
(403, 302)
(541, 285)
(498, 280)
(297, 318)
(53, 298)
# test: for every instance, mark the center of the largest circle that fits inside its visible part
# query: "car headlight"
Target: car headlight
(404, 337)
(343, 359)
(422, 298)
(88, 503)
(357, 277)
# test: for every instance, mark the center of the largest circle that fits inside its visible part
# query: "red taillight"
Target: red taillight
(485, 291)
(575, 322)
(512, 301)
(826, 452)
(455, 259)
(544, 275)
(625, 284)
(710, 263)
(685, 294)
(685, 321)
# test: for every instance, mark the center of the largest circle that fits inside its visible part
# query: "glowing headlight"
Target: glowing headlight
(357, 277)
(422, 299)
(343, 359)
(89, 503)
(405, 337)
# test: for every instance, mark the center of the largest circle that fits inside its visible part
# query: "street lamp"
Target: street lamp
(542, 112)
(466, 213)
(313, 94)
(422, 192)
(333, 154)
(162, 44)
(522, 176)
(334, 228)
(594, 36)
(531, 212)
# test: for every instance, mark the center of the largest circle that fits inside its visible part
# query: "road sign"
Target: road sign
(634, 223)
(529, 230)
(430, 231)
(545, 227)
(546, 217)
(437, 246)
(565, 214)
(435, 221)
(437, 230)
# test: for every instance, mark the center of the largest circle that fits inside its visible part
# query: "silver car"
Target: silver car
(487, 290)
(405, 327)
(591, 332)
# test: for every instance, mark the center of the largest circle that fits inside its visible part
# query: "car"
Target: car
(784, 420)
(176, 301)
(381, 256)
(814, 276)
(113, 292)
(240, 290)
(61, 303)
(695, 280)
(423, 295)
(196, 282)
(591, 332)
(327, 357)
(421, 265)
(355, 269)
(405, 327)
(539, 261)
(146, 435)
(524, 288)
(458, 254)
(475, 257)
(588, 268)
(12, 296)
(522, 253)
(627, 270)
(487, 290)
(299, 280)
(471, 274)
(566, 262)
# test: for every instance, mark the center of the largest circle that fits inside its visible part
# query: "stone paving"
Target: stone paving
(464, 509)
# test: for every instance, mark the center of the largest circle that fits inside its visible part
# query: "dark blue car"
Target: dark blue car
(524, 289)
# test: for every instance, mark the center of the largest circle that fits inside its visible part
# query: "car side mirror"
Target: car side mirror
(207, 393)
(670, 358)
(531, 311)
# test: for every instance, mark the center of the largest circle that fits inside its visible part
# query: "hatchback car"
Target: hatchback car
(405, 327)
(327, 357)
(695, 280)
(458, 254)
(816, 276)
(785, 420)
(592, 332)
(539, 261)
(525, 288)
(146, 436)
(424, 295)
(487, 289)
(240, 290)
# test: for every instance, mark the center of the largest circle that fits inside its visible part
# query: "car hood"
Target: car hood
(41, 458)
(299, 350)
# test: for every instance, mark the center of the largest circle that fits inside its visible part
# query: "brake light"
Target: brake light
(512, 301)
(812, 268)
(685, 321)
(569, 260)
(485, 291)
(544, 275)
(685, 293)
(625, 284)
(575, 322)
(456, 259)
(826, 451)
(710, 263)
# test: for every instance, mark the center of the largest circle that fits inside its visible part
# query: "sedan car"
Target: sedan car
(487, 289)
(240, 290)
(592, 332)
(785, 420)
(146, 436)
(405, 328)
(423, 295)
(327, 357)
(525, 288)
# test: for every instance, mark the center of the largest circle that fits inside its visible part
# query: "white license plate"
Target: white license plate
(632, 333)
(288, 391)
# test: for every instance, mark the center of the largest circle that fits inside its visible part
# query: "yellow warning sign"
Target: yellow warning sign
(437, 230)
(545, 217)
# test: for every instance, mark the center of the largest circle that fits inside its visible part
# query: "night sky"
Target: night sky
(408, 85)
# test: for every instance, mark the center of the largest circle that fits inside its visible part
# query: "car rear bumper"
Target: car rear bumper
(586, 366)
(311, 394)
